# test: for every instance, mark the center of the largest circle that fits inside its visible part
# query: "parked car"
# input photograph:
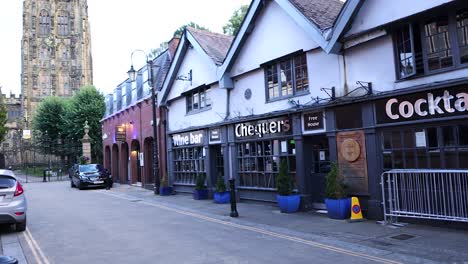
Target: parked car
(89, 175)
(13, 203)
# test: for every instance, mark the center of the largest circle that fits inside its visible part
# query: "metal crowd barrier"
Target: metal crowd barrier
(425, 194)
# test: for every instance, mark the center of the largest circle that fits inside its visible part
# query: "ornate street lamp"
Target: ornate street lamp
(132, 76)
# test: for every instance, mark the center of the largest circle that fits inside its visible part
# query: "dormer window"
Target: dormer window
(198, 99)
(286, 77)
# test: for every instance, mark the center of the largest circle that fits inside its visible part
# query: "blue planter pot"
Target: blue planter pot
(222, 197)
(288, 203)
(165, 191)
(338, 209)
(200, 194)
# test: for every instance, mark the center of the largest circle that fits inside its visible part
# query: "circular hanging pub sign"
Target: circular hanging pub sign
(350, 149)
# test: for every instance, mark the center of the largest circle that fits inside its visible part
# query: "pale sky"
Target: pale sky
(118, 27)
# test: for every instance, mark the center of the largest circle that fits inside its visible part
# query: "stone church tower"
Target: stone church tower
(56, 50)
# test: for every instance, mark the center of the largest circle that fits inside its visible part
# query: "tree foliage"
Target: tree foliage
(334, 184)
(64, 119)
(180, 31)
(49, 121)
(86, 105)
(284, 181)
(3, 119)
(233, 26)
(154, 53)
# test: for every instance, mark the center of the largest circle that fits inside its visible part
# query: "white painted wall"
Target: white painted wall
(275, 35)
(371, 62)
(323, 70)
(374, 62)
(374, 13)
(179, 119)
(203, 72)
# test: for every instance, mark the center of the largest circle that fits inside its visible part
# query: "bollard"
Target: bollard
(234, 212)
(44, 179)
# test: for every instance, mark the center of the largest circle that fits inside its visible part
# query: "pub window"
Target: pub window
(462, 34)
(437, 38)
(44, 23)
(188, 163)
(436, 147)
(435, 44)
(287, 77)
(198, 100)
(258, 162)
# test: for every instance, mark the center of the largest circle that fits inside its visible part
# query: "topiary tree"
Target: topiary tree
(335, 187)
(284, 181)
(220, 185)
(200, 182)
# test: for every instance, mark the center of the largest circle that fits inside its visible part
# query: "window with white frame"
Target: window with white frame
(198, 100)
(287, 77)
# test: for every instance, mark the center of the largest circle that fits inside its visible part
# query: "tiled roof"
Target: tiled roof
(164, 62)
(322, 13)
(214, 44)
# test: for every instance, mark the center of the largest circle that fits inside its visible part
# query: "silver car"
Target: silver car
(13, 204)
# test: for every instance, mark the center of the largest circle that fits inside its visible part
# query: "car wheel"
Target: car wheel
(21, 226)
(80, 186)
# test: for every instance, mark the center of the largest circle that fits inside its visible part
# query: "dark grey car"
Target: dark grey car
(89, 175)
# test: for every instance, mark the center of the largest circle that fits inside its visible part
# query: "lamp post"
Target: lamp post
(132, 76)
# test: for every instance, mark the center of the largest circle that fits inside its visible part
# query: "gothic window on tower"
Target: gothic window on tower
(44, 23)
(64, 53)
(33, 52)
(72, 24)
(34, 82)
(54, 82)
(44, 88)
(44, 53)
(33, 23)
(63, 23)
(72, 53)
(52, 52)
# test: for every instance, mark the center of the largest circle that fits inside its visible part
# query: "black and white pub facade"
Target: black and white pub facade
(372, 94)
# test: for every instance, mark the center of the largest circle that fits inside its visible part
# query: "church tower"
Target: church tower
(55, 50)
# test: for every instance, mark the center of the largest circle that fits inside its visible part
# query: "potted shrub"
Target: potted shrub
(338, 205)
(221, 195)
(200, 192)
(287, 201)
(165, 189)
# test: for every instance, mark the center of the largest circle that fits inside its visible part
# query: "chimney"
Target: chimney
(172, 46)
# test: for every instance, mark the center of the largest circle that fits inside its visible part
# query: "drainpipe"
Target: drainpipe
(345, 84)
(228, 102)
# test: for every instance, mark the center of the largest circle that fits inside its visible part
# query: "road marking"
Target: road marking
(265, 232)
(33, 250)
(41, 258)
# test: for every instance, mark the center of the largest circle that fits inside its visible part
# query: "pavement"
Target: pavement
(413, 243)
(418, 243)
